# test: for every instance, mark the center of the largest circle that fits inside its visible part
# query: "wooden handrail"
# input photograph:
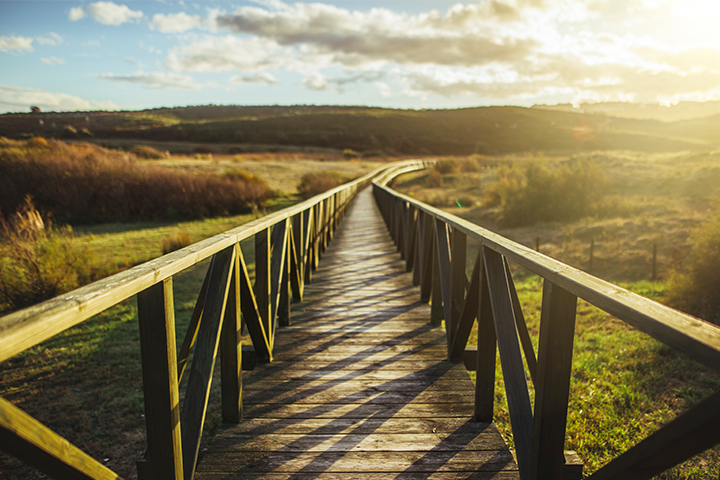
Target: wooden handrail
(437, 242)
(289, 244)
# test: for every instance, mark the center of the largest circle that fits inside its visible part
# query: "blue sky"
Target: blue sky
(75, 55)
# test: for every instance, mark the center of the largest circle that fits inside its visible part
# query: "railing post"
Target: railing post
(419, 234)
(231, 350)
(263, 276)
(557, 328)
(164, 459)
(411, 242)
(436, 304)
(486, 350)
(458, 278)
(427, 255)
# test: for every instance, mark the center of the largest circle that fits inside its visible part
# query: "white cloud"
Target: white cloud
(156, 80)
(14, 97)
(263, 78)
(17, 44)
(53, 61)
(176, 22)
(77, 13)
(106, 13)
(227, 53)
(55, 40)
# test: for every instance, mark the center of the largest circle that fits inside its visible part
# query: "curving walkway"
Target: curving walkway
(360, 387)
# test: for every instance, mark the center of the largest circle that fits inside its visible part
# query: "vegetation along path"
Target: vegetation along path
(360, 386)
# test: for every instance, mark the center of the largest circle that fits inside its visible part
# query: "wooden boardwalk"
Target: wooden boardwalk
(360, 386)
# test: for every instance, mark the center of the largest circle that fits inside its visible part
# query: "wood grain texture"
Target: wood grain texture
(231, 353)
(156, 319)
(31, 441)
(552, 390)
(192, 415)
(516, 388)
(360, 385)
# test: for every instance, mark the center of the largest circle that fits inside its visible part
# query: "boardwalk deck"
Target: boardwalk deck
(360, 387)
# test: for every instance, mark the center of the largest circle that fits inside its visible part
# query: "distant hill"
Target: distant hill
(641, 111)
(485, 130)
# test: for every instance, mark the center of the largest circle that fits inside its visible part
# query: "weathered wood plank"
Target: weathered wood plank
(191, 331)
(231, 353)
(516, 388)
(156, 321)
(521, 326)
(552, 390)
(192, 415)
(31, 441)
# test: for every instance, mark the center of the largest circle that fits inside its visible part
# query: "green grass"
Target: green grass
(624, 384)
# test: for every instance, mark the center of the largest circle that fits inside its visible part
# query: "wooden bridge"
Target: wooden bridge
(358, 378)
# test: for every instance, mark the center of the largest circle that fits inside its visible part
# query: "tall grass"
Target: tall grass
(695, 287)
(40, 261)
(87, 183)
(533, 191)
(313, 183)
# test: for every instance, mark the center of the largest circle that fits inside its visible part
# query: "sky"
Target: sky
(131, 55)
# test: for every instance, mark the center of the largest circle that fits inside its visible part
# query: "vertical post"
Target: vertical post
(231, 351)
(458, 277)
(298, 227)
(284, 305)
(592, 251)
(428, 248)
(557, 328)
(537, 244)
(418, 267)
(486, 350)
(156, 318)
(436, 304)
(263, 277)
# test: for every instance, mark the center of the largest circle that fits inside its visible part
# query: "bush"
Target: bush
(532, 191)
(87, 183)
(176, 241)
(434, 179)
(695, 288)
(350, 154)
(146, 152)
(312, 184)
(447, 166)
(40, 261)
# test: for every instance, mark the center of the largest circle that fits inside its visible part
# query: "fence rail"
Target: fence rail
(434, 246)
(288, 247)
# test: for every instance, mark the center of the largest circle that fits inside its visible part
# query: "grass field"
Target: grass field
(624, 384)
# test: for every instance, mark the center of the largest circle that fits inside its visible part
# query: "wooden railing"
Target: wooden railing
(288, 246)
(434, 246)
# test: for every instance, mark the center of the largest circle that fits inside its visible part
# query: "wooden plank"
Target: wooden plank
(468, 313)
(443, 256)
(342, 462)
(518, 398)
(436, 303)
(231, 352)
(362, 476)
(191, 332)
(687, 435)
(552, 390)
(32, 442)
(521, 325)
(192, 416)
(156, 321)
(486, 356)
(251, 314)
(358, 410)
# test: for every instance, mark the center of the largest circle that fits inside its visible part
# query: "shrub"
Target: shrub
(37, 142)
(695, 288)
(349, 154)
(147, 152)
(532, 191)
(175, 241)
(470, 164)
(312, 184)
(434, 179)
(447, 166)
(40, 261)
(88, 183)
